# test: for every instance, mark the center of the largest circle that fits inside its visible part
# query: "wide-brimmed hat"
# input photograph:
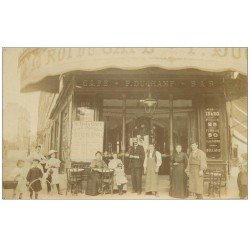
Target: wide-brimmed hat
(52, 151)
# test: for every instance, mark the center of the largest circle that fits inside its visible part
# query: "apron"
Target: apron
(195, 181)
(151, 176)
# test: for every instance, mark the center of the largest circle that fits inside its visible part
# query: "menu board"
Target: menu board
(87, 139)
(213, 143)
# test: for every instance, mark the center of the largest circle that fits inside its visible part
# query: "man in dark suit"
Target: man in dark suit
(136, 156)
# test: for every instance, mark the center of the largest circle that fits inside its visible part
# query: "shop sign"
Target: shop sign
(87, 139)
(213, 142)
(37, 63)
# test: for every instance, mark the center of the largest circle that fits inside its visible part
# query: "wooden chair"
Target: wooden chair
(74, 180)
(215, 179)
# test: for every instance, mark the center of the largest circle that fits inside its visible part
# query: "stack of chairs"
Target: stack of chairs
(76, 175)
(216, 180)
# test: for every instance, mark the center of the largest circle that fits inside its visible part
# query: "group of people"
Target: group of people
(148, 163)
(98, 164)
(39, 170)
(182, 168)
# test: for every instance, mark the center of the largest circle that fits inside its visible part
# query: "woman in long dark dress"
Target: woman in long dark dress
(93, 178)
(178, 178)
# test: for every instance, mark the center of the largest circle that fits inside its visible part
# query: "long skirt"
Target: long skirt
(178, 187)
(92, 184)
(151, 177)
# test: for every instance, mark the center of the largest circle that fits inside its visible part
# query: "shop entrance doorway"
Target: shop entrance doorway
(154, 128)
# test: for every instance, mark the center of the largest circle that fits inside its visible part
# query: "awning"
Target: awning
(40, 68)
(238, 118)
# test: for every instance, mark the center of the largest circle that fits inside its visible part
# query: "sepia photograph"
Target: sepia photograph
(124, 125)
(158, 123)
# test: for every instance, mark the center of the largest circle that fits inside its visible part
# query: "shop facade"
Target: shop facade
(190, 106)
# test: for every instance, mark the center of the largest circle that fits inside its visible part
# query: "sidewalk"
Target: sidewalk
(230, 193)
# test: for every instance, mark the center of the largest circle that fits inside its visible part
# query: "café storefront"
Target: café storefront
(168, 97)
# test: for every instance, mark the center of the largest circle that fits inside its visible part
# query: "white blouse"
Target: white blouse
(158, 159)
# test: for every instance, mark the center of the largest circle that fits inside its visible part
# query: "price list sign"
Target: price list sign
(87, 139)
(213, 143)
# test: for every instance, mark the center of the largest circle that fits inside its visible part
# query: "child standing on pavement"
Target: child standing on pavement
(19, 175)
(34, 178)
(119, 175)
(53, 165)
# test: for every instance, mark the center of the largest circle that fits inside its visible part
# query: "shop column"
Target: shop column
(171, 119)
(123, 126)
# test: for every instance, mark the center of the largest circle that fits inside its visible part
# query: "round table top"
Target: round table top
(104, 170)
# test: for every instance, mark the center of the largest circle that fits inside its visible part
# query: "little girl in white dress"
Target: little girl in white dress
(119, 176)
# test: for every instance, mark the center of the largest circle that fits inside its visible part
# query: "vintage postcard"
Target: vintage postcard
(125, 123)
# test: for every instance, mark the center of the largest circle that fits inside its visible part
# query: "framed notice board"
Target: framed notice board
(87, 139)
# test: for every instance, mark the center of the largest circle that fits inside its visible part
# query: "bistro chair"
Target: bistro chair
(83, 169)
(106, 181)
(74, 180)
(214, 179)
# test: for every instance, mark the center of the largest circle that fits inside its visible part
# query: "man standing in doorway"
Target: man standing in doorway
(136, 156)
(197, 163)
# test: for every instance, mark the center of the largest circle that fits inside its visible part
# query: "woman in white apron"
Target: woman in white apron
(52, 166)
(151, 166)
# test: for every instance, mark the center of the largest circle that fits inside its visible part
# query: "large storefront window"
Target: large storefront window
(85, 109)
(153, 128)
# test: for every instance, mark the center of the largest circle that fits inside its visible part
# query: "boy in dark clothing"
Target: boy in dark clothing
(34, 178)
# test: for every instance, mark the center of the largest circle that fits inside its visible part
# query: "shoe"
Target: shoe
(138, 193)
